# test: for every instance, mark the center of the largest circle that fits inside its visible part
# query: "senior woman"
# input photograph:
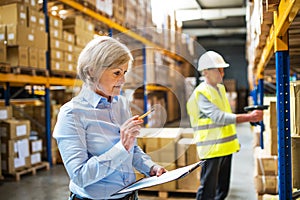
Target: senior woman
(95, 132)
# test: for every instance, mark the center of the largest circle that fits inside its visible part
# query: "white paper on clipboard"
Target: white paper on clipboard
(164, 178)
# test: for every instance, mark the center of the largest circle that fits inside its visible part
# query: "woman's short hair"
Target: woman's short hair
(99, 54)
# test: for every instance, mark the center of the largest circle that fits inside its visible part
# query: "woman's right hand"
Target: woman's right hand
(129, 130)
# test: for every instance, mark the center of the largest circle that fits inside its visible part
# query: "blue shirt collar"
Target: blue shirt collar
(93, 98)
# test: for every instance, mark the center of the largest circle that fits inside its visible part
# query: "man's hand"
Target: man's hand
(256, 116)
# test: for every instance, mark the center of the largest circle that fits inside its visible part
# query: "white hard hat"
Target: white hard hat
(211, 59)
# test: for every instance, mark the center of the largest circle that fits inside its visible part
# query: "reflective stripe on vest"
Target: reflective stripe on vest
(207, 126)
(217, 141)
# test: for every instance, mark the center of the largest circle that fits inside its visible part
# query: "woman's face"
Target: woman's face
(111, 81)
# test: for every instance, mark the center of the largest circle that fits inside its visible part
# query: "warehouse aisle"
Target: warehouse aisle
(53, 184)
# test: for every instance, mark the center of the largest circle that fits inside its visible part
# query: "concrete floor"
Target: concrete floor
(53, 184)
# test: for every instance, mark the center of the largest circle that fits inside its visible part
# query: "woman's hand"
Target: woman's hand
(129, 130)
(157, 170)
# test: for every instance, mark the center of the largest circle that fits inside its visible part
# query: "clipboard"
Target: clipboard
(164, 178)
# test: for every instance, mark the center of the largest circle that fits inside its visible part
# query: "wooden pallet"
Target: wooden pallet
(167, 194)
(63, 74)
(30, 71)
(5, 68)
(32, 170)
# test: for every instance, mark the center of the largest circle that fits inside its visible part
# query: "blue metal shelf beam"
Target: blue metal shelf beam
(261, 102)
(283, 117)
(47, 90)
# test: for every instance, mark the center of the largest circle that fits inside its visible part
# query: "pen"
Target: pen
(145, 114)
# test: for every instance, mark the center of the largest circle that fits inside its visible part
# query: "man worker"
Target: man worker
(214, 127)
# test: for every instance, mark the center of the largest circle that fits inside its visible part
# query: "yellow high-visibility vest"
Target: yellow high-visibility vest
(213, 140)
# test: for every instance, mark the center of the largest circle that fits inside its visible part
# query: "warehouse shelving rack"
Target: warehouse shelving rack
(278, 42)
(8, 79)
(146, 43)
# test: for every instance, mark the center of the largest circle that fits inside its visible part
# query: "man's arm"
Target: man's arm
(208, 109)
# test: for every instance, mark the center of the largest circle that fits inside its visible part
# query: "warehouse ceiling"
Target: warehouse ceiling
(213, 18)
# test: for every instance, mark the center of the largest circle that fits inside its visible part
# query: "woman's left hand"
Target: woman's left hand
(157, 170)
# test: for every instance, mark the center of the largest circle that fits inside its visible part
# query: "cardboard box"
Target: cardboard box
(69, 37)
(14, 14)
(3, 52)
(36, 146)
(55, 22)
(70, 66)
(33, 57)
(266, 184)
(41, 21)
(57, 65)
(33, 16)
(270, 115)
(42, 59)
(270, 141)
(15, 148)
(18, 56)
(57, 44)
(68, 57)
(190, 182)
(57, 55)
(5, 112)
(187, 133)
(22, 111)
(11, 165)
(295, 107)
(295, 140)
(35, 158)
(266, 165)
(3, 32)
(56, 33)
(41, 41)
(160, 143)
(14, 129)
(69, 47)
(186, 152)
(24, 36)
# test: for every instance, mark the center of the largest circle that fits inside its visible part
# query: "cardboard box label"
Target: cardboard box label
(21, 130)
(3, 114)
(30, 37)
(2, 36)
(19, 162)
(35, 158)
(23, 148)
(11, 36)
(36, 146)
(23, 15)
(33, 19)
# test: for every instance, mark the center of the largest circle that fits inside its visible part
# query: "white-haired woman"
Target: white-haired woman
(95, 131)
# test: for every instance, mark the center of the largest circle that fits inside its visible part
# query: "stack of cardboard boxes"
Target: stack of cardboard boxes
(295, 131)
(266, 160)
(36, 115)
(172, 148)
(22, 34)
(18, 151)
